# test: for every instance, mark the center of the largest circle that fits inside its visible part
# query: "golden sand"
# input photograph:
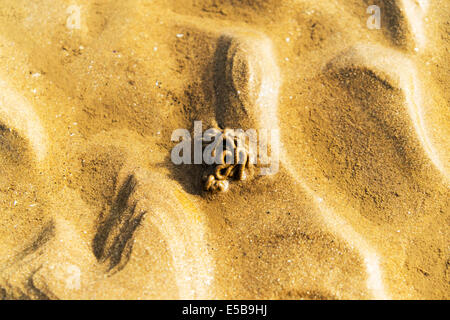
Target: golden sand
(92, 206)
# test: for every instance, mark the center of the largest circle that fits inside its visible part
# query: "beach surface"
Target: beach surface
(93, 207)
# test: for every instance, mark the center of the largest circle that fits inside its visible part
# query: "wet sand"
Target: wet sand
(92, 207)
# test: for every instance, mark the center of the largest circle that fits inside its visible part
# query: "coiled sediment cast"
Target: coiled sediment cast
(229, 157)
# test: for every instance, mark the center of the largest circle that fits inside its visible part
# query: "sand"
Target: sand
(92, 206)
